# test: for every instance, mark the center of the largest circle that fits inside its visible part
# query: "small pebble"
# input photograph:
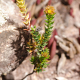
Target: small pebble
(47, 79)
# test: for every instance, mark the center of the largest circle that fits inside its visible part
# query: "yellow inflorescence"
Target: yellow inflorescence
(23, 10)
(49, 10)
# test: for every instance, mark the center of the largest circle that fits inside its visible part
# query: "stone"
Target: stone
(12, 37)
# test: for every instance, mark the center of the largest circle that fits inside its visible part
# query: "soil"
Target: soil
(66, 24)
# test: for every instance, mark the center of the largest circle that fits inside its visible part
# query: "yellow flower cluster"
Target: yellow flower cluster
(49, 10)
(23, 10)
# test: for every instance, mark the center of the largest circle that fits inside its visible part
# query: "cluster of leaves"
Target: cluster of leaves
(23, 10)
(38, 42)
(41, 58)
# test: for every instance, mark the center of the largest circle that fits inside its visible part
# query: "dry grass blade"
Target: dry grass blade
(61, 62)
(64, 47)
(71, 52)
(75, 43)
(60, 39)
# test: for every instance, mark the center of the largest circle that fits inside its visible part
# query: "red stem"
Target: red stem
(52, 39)
(14, 1)
(41, 12)
(33, 22)
(38, 2)
(70, 2)
(71, 12)
(53, 50)
(52, 44)
(49, 3)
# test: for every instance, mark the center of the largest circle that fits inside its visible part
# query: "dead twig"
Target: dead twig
(61, 62)
(64, 47)
(75, 43)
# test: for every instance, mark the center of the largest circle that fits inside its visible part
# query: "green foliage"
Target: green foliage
(41, 59)
(39, 62)
(38, 41)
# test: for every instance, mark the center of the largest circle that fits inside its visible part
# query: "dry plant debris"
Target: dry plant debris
(67, 28)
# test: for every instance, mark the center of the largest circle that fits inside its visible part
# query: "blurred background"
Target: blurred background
(64, 46)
